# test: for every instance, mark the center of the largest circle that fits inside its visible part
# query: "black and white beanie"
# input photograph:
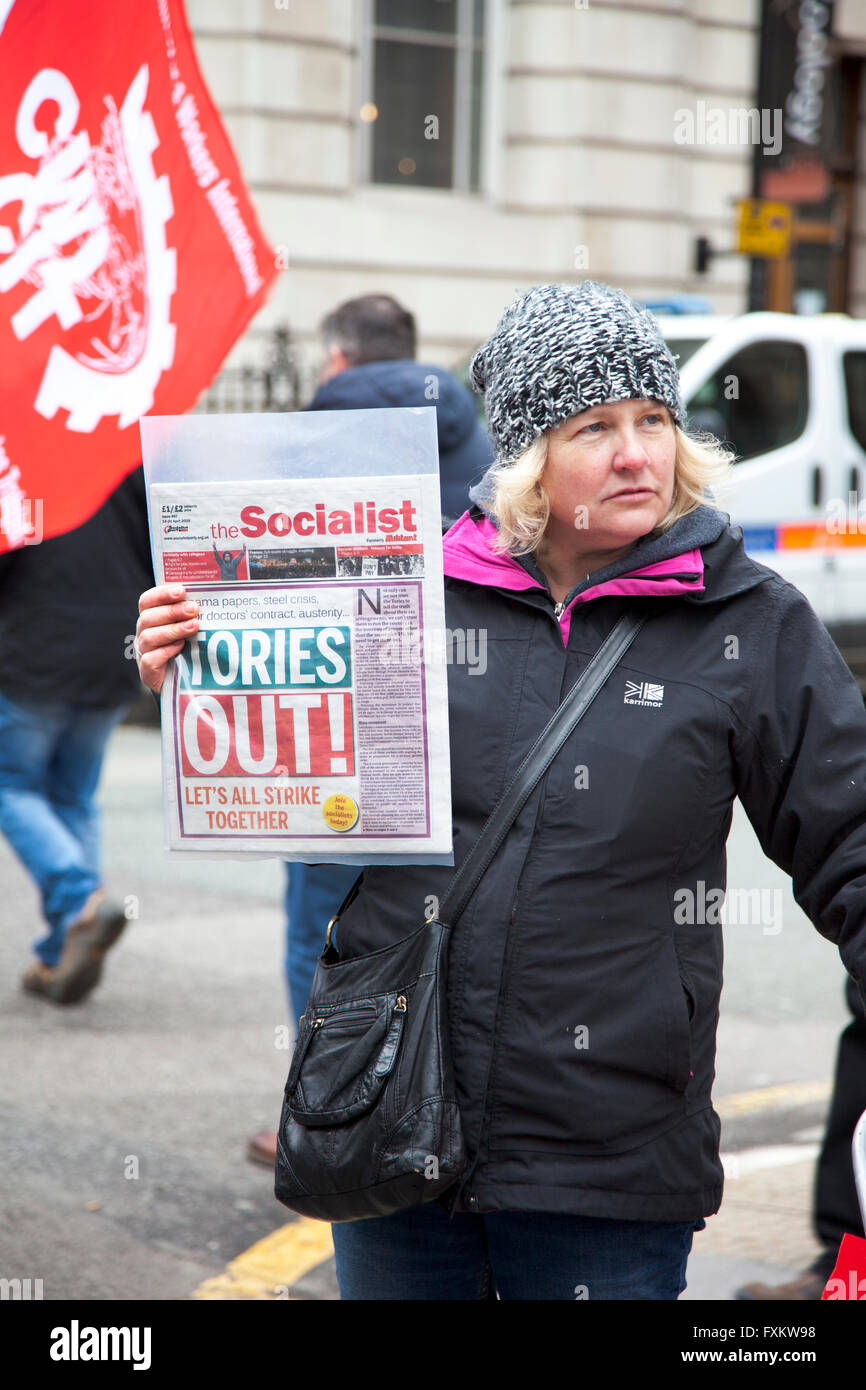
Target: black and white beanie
(559, 349)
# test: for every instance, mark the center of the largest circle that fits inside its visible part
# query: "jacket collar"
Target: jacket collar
(700, 558)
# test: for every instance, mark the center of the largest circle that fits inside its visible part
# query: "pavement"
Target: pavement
(763, 1229)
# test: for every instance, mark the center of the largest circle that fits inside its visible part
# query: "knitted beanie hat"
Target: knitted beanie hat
(559, 349)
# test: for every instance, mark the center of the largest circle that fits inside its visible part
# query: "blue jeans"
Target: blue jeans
(50, 761)
(424, 1253)
(313, 894)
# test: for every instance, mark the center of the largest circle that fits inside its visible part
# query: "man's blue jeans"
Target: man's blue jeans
(524, 1255)
(313, 894)
(50, 761)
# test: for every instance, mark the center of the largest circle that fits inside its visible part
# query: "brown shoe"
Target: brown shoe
(806, 1288)
(262, 1148)
(40, 979)
(80, 966)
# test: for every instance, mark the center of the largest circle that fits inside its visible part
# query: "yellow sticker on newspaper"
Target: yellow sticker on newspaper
(340, 812)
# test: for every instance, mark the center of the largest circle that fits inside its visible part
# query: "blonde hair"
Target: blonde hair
(521, 509)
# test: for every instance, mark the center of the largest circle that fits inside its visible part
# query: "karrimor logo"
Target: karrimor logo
(77, 1343)
(643, 693)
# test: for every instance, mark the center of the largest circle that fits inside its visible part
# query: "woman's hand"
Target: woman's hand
(165, 622)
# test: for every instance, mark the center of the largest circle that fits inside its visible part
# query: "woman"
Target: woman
(584, 976)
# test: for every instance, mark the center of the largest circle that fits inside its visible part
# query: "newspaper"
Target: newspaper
(307, 718)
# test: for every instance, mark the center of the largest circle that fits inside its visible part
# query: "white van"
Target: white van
(788, 392)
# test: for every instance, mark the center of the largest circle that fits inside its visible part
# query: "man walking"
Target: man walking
(66, 677)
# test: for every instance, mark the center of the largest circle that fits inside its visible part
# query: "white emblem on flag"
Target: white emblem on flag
(107, 204)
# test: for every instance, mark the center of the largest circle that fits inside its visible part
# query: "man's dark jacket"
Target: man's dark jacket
(68, 607)
(584, 977)
(465, 452)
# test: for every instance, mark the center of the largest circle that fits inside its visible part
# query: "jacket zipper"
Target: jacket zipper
(471, 1199)
(559, 608)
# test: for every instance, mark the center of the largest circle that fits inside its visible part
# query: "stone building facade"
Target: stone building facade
(451, 152)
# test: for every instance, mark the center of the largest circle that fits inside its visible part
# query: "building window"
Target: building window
(422, 107)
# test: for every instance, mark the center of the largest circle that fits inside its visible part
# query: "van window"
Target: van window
(756, 401)
(855, 389)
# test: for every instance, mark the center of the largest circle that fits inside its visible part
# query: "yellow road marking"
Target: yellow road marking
(773, 1097)
(269, 1268)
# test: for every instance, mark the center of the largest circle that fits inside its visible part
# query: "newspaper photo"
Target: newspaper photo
(307, 717)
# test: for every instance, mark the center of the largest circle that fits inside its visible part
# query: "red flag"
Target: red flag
(131, 258)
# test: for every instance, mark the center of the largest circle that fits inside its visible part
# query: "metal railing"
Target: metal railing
(277, 385)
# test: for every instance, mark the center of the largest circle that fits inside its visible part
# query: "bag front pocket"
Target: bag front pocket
(343, 1056)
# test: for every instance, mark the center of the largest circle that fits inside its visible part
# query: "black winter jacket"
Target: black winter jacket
(68, 607)
(583, 1007)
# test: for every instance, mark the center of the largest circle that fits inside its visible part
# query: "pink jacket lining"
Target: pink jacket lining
(467, 555)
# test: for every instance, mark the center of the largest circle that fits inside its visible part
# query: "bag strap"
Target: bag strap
(545, 748)
(535, 764)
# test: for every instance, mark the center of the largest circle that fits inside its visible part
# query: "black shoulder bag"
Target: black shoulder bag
(369, 1122)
